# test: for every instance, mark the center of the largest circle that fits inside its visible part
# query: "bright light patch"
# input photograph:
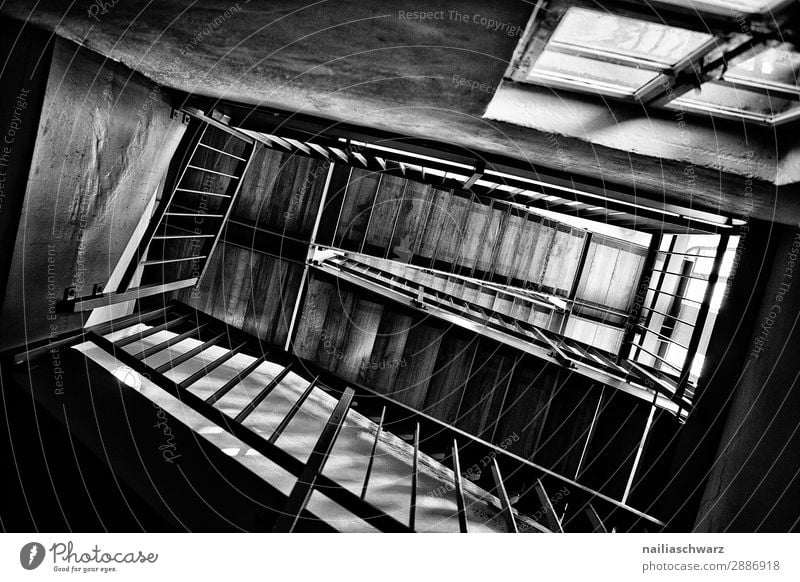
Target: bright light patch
(129, 377)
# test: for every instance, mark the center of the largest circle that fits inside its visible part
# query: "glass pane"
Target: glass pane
(591, 73)
(716, 98)
(637, 38)
(730, 6)
(776, 66)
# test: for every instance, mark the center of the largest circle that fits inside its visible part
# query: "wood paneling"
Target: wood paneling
(439, 219)
(410, 221)
(451, 372)
(526, 401)
(333, 204)
(385, 211)
(337, 321)
(358, 204)
(420, 355)
(453, 229)
(362, 329)
(567, 426)
(562, 262)
(252, 291)
(612, 272)
(484, 389)
(492, 234)
(612, 450)
(282, 191)
(387, 353)
(312, 318)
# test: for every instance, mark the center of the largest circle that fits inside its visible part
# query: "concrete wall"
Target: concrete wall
(754, 482)
(23, 78)
(103, 144)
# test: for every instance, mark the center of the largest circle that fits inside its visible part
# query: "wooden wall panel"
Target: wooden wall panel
(337, 321)
(524, 409)
(530, 239)
(358, 204)
(258, 183)
(562, 263)
(385, 211)
(439, 219)
(426, 222)
(605, 337)
(491, 236)
(622, 261)
(453, 229)
(626, 275)
(612, 449)
(567, 427)
(474, 232)
(420, 354)
(237, 284)
(282, 192)
(274, 302)
(362, 329)
(507, 368)
(485, 386)
(509, 250)
(410, 221)
(312, 317)
(387, 354)
(537, 260)
(451, 372)
(251, 291)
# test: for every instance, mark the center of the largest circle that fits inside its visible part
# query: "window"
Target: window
(761, 88)
(670, 67)
(732, 7)
(607, 54)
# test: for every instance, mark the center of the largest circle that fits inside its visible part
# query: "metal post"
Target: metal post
(573, 291)
(304, 278)
(640, 450)
(702, 316)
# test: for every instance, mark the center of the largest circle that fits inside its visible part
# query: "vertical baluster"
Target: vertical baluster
(414, 478)
(372, 454)
(502, 495)
(459, 491)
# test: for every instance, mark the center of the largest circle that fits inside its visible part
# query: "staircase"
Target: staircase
(338, 457)
(532, 322)
(277, 420)
(188, 221)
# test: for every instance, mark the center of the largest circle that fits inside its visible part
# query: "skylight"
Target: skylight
(637, 60)
(627, 38)
(568, 71)
(732, 7)
(761, 88)
(737, 103)
(608, 54)
(775, 69)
